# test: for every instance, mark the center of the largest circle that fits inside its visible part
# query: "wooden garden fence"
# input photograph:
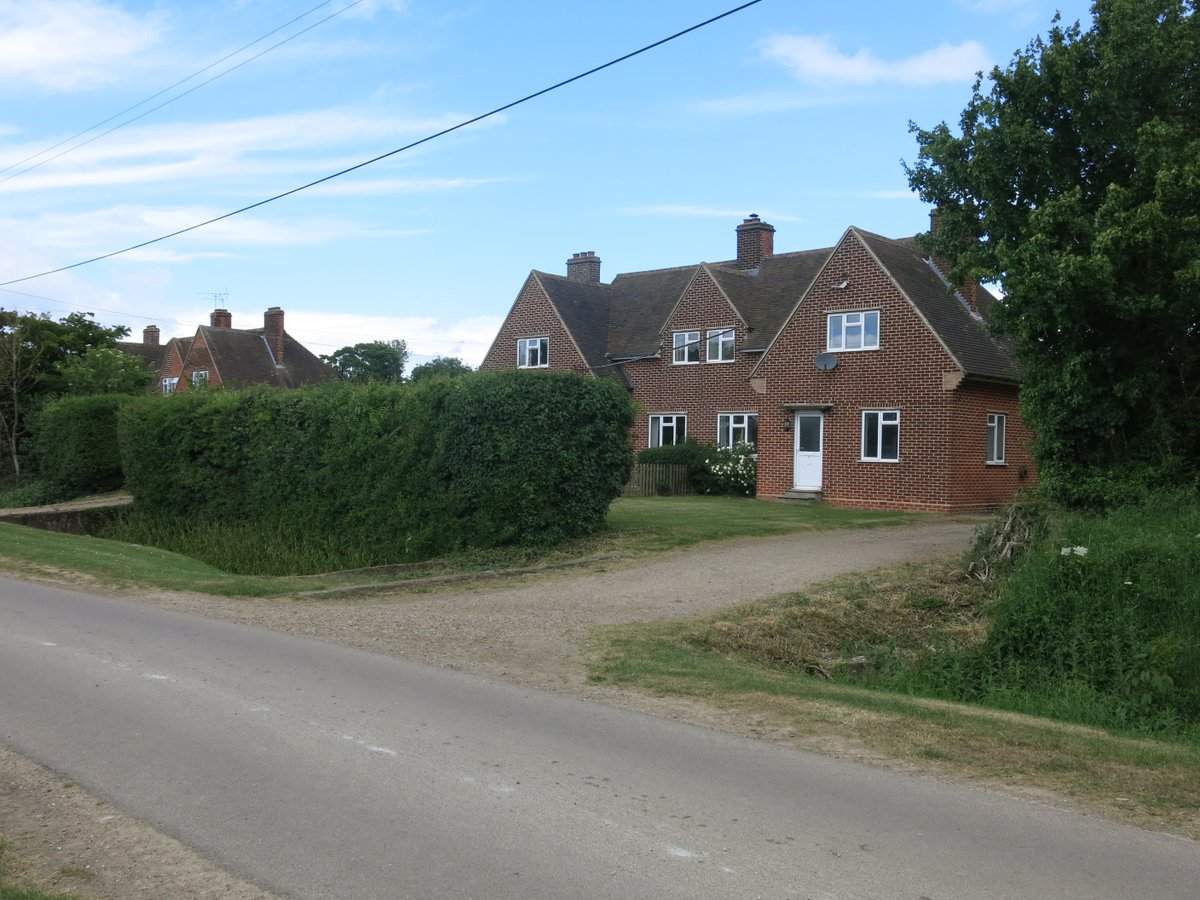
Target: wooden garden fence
(655, 479)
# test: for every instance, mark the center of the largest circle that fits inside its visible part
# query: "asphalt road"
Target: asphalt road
(324, 772)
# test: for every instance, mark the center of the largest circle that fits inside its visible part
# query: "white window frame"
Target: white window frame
(720, 345)
(852, 329)
(170, 384)
(536, 349)
(199, 377)
(736, 428)
(685, 348)
(678, 423)
(997, 425)
(875, 422)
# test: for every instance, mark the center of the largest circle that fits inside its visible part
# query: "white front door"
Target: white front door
(808, 430)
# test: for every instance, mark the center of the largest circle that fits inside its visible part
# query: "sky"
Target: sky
(121, 122)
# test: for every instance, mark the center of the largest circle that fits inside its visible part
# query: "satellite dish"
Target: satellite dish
(826, 362)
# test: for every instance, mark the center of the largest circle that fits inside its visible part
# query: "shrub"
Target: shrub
(382, 473)
(75, 445)
(733, 470)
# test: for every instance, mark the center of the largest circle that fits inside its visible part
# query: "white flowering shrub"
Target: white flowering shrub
(733, 470)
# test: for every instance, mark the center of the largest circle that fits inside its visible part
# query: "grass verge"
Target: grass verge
(800, 666)
(635, 527)
(10, 889)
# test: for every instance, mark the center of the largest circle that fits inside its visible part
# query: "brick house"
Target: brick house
(857, 373)
(218, 353)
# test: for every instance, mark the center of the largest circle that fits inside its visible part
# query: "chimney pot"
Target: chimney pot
(150, 336)
(584, 266)
(221, 318)
(273, 332)
(755, 242)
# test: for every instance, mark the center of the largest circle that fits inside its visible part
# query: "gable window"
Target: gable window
(200, 378)
(995, 438)
(737, 428)
(169, 384)
(720, 345)
(881, 435)
(685, 347)
(853, 331)
(533, 353)
(667, 430)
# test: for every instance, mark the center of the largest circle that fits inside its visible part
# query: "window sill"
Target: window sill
(850, 349)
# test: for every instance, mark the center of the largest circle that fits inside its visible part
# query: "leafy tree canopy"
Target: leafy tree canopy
(103, 370)
(33, 351)
(443, 366)
(375, 361)
(1074, 181)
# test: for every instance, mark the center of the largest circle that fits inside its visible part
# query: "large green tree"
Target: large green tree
(33, 352)
(1073, 180)
(375, 361)
(440, 367)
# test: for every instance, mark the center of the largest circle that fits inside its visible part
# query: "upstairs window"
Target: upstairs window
(200, 378)
(667, 430)
(995, 439)
(685, 347)
(737, 428)
(720, 345)
(533, 353)
(881, 435)
(853, 331)
(169, 384)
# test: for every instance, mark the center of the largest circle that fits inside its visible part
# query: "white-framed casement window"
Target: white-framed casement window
(853, 331)
(200, 378)
(533, 353)
(169, 385)
(685, 347)
(737, 428)
(720, 345)
(881, 435)
(668, 429)
(995, 439)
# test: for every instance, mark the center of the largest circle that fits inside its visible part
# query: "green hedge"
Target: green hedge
(388, 473)
(75, 445)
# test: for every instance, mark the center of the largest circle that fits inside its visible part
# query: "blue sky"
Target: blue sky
(795, 111)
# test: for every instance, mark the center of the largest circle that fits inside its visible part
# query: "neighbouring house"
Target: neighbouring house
(218, 354)
(859, 375)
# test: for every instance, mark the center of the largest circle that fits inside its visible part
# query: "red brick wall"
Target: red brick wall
(905, 374)
(703, 390)
(533, 316)
(198, 357)
(976, 484)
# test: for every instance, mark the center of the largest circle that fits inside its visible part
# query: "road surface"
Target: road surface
(320, 771)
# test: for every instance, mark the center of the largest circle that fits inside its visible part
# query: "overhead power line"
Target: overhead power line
(171, 100)
(390, 153)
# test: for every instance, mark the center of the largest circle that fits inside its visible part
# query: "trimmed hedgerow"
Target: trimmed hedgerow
(75, 445)
(383, 473)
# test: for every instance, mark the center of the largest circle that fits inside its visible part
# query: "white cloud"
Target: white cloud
(426, 336)
(256, 147)
(71, 45)
(818, 60)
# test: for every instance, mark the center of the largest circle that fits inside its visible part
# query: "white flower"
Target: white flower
(1073, 551)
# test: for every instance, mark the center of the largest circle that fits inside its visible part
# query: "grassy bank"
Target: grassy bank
(1074, 673)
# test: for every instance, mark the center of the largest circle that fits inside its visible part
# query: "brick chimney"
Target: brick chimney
(970, 292)
(273, 332)
(584, 266)
(755, 242)
(221, 318)
(150, 336)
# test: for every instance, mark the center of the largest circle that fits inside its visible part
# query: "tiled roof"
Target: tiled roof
(243, 357)
(965, 336)
(624, 320)
(150, 354)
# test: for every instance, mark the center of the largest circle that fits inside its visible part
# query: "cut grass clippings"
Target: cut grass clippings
(769, 661)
